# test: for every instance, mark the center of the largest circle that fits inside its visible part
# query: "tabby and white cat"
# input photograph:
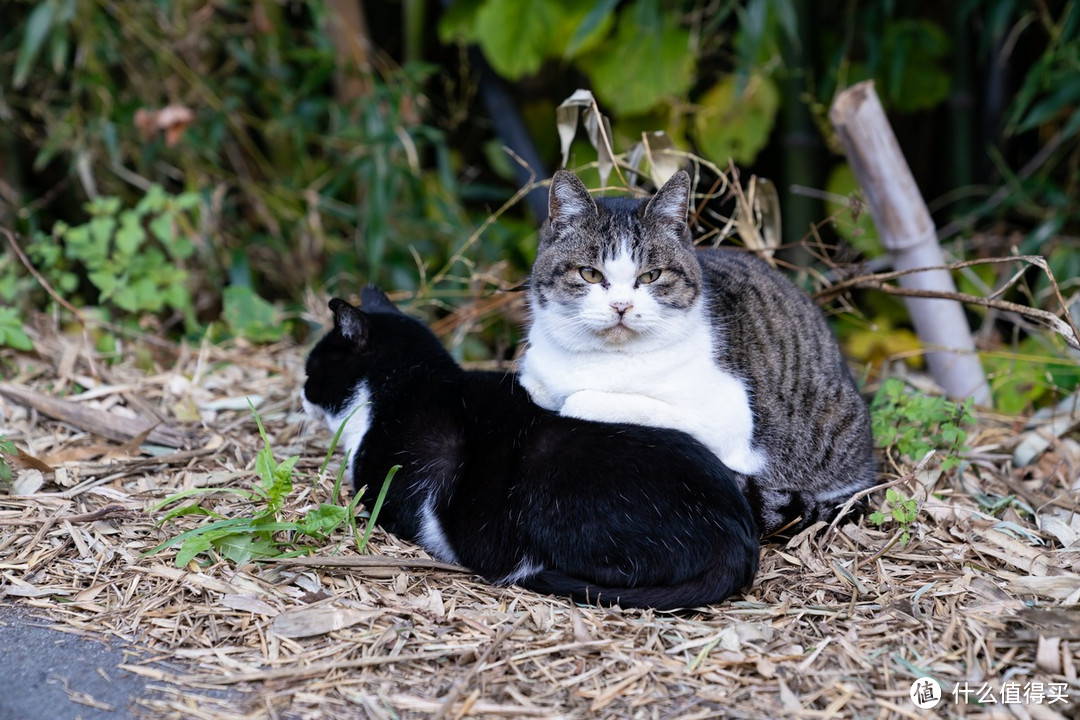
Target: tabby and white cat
(631, 324)
(643, 517)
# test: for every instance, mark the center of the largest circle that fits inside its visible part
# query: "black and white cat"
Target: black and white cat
(643, 517)
(631, 324)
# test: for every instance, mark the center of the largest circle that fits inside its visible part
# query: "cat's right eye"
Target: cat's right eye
(591, 275)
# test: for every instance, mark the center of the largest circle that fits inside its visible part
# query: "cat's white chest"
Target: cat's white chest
(675, 384)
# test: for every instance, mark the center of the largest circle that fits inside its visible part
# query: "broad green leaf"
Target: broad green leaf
(130, 235)
(250, 316)
(11, 331)
(640, 66)
(105, 281)
(242, 549)
(152, 202)
(126, 298)
(516, 36)
(164, 229)
(736, 126)
(323, 520)
(101, 232)
(192, 547)
(916, 75)
(458, 22)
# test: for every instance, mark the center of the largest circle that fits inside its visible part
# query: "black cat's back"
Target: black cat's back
(628, 493)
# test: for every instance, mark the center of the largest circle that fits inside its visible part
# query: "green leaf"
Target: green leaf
(856, 227)
(915, 73)
(101, 232)
(38, 26)
(192, 547)
(323, 520)
(105, 281)
(11, 331)
(241, 549)
(249, 316)
(458, 22)
(590, 28)
(164, 229)
(642, 65)
(736, 126)
(1063, 97)
(517, 36)
(876, 517)
(130, 235)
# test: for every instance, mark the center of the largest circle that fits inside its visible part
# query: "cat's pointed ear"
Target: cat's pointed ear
(671, 203)
(349, 320)
(372, 299)
(568, 199)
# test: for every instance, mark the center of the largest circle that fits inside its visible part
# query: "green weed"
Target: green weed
(902, 510)
(265, 533)
(913, 424)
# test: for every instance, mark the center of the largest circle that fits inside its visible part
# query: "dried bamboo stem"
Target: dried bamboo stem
(908, 233)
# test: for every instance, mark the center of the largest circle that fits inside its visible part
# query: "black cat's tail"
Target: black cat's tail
(710, 587)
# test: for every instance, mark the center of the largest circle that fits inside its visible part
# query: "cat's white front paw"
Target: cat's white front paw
(603, 406)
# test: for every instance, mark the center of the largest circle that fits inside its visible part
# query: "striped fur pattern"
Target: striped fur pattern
(631, 324)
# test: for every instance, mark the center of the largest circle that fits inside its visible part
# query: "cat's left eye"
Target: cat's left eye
(647, 277)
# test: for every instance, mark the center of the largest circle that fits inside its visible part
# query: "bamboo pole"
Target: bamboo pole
(907, 232)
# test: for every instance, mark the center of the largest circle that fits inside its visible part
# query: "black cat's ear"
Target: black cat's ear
(671, 202)
(349, 320)
(569, 199)
(372, 299)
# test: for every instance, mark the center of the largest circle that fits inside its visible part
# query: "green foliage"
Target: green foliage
(655, 52)
(134, 258)
(7, 448)
(12, 334)
(249, 316)
(265, 533)
(902, 511)
(303, 181)
(1038, 370)
(736, 124)
(913, 423)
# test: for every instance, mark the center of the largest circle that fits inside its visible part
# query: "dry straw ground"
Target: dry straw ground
(837, 625)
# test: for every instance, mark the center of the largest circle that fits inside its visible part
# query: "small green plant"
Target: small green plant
(902, 510)
(913, 423)
(6, 448)
(265, 534)
(130, 260)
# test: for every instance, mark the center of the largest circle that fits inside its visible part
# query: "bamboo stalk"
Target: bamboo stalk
(907, 231)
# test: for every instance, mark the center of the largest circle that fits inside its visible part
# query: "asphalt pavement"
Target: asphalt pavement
(47, 674)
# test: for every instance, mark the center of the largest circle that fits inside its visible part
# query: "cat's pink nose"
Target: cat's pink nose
(621, 307)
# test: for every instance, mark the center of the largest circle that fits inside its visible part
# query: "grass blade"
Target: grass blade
(377, 507)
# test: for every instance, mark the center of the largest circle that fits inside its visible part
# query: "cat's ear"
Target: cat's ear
(569, 199)
(372, 299)
(349, 320)
(671, 202)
